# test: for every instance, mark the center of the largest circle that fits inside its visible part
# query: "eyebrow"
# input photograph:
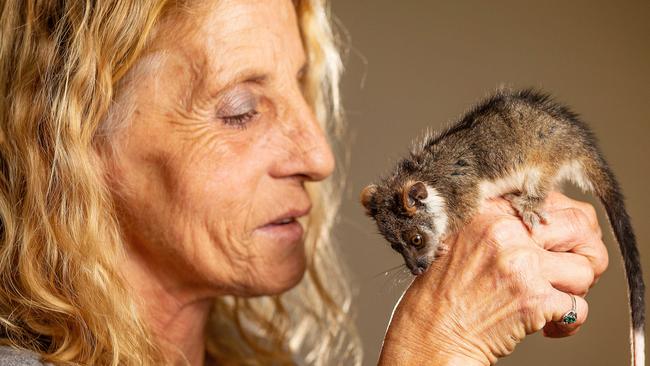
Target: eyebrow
(252, 74)
(248, 75)
(256, 76)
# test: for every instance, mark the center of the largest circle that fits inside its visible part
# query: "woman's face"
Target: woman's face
(211, 172)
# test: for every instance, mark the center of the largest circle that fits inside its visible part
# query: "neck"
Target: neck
(175, 313)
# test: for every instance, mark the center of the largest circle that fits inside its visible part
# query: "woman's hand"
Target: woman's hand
(497, 283)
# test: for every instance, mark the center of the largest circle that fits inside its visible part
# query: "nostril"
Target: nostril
(423, 264)
(417, 266)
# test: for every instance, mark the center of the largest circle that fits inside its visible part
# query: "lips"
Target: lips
(288, 217)
(285, 228)
(284, 221)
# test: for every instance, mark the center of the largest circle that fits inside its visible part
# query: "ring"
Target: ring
(572, 315)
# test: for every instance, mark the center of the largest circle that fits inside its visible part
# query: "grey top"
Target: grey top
(15, 357)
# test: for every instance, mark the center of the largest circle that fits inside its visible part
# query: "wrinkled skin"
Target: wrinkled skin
(496, 284)
(220, 144)
(197, 177)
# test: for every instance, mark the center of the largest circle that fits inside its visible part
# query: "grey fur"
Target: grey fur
(508, 133)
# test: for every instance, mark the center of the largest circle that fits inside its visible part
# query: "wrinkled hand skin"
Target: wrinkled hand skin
(496, 284)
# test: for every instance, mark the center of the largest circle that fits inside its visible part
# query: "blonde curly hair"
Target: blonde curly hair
(61, 292)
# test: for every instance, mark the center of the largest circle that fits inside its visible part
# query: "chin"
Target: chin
(281, 274)
(283, 284)
(279, 263)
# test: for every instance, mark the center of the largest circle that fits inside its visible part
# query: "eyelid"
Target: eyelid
(236, 102)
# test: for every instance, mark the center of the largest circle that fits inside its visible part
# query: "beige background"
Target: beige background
(414, 64)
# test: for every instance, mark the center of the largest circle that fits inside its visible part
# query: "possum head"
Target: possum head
(411, 215)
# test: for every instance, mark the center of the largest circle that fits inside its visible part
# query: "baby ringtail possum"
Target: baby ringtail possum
(516, 144)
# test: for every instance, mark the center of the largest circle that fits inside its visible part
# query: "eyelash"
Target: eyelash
(240, 120)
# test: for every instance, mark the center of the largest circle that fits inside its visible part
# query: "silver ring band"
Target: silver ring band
(572, 315)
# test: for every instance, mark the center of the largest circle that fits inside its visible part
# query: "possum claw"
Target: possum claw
(531, 219)
(531, 216)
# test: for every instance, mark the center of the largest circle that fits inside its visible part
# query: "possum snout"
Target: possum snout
(417, 266)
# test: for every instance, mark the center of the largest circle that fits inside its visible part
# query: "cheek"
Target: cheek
(228, 193)
(229, 186)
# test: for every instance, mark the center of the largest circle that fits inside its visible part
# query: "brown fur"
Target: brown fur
(516, 144)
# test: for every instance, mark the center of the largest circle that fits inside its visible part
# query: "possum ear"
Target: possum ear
(413, 192)
(368, 197)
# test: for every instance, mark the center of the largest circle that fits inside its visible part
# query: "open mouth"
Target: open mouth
(284, 221)
(286, 230)
(289, 217)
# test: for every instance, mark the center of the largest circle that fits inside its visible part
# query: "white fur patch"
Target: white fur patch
(639, 348)
(437, 207)
(527, 179)
(574, 172)
(432, 239)
(521, 180)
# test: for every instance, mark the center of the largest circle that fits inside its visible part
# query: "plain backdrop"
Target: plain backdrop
(418, 64)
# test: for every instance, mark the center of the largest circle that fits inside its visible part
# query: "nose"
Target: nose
(420, 265)
(307, 151)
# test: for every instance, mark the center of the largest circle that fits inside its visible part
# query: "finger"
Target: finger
(558, 305)
(559, 330)
(569, 231)
(557, 201)
(556, 330)
(567, 272)
(565, 229)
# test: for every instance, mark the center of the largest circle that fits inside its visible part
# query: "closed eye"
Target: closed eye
(240, 120)
(238, 106)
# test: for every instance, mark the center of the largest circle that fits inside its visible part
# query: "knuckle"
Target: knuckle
(589, 276)
(590, 212)
(530, 304)
(501, 230)
(578, 220)
(600, 260)
(532, 311)
(597, 231)
(516, 261)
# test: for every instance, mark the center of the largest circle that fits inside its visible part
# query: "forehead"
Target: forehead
(227, 38)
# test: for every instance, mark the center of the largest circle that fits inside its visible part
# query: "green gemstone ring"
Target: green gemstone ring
(571, 316)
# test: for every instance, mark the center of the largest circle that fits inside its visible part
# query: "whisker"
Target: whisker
(388, 271)
(396, 279)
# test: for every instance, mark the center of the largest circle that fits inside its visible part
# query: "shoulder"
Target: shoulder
(16, 357)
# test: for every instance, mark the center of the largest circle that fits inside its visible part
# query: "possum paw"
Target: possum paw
(528, 209)
(533, 218)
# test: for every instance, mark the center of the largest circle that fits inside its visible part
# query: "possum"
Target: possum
(519, 145)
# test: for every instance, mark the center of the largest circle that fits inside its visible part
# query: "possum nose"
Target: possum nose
(422, 265)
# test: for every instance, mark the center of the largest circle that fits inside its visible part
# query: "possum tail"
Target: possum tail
(606, 187)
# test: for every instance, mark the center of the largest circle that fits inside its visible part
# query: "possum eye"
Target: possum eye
(416, 240)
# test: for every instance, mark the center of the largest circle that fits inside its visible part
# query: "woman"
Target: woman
(160, 161)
